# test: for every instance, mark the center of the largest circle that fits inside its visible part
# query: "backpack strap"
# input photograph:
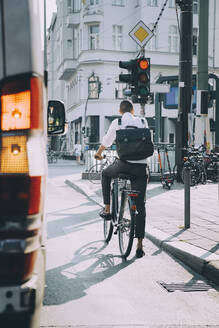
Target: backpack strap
(119, 121)
(143, 122)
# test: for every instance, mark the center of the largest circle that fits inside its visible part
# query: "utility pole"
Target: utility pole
(185, 78)
(202, 127)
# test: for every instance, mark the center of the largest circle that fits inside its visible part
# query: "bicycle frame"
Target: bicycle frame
(123, 211)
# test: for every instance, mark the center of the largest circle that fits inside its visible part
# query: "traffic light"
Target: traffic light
(143, 78)
(131, 67)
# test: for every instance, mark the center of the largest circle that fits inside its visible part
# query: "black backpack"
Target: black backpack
(133, 143)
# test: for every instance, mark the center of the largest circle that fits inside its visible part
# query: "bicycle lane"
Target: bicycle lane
(198, 246)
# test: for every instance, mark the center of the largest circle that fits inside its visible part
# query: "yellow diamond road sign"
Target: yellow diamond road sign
(141, 34)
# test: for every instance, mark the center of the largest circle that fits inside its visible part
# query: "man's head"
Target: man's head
(126, 107)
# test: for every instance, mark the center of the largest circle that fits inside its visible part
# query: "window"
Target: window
(195, 41)
(94, 37)
(69, 4)
(118, 2)
(119, 90)
(117, 37)
(95, 127)
(171, 137)
(195, 6)
(76, 6)
(173, 39)
(171, 3)
(93, 83)
(80, 40)
(152, 3)
(94, 2)
(152, 44)
(76, 43)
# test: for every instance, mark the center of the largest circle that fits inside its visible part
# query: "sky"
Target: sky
(50, 8)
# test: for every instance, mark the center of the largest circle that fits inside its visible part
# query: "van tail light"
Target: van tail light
(22, 176)
(20, 195)
(21, 104)
(17, 267)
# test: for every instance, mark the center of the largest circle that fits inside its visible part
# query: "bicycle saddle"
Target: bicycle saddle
(126, 176)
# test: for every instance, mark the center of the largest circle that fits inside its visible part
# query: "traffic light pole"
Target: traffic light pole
(185, 78)
(202, 127)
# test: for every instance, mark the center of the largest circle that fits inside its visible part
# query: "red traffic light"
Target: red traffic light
(143, 63)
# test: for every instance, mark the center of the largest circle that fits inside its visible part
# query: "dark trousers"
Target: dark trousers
(140, 183)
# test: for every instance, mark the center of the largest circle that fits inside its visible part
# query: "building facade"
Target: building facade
(86, 41)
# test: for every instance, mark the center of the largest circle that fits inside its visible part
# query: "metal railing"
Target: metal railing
(153, 163)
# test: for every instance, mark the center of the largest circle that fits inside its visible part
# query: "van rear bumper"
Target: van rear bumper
(19, 298)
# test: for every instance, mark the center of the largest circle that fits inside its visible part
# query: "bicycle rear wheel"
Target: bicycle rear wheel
(126, 227)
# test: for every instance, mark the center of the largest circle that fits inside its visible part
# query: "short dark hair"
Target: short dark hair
(125, 106)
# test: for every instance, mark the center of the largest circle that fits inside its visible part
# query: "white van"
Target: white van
(23, 164)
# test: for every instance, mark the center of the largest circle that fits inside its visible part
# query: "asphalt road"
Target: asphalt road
(89, 285)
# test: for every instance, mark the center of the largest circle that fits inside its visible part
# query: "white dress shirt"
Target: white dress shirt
(126, 119)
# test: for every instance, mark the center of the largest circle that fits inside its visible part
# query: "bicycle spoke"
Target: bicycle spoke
(126, 228)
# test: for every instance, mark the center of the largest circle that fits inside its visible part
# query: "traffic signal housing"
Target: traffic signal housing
(131, 67)
(143, 79)
(138, 79)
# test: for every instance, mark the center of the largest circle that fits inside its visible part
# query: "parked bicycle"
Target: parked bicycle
(51, 156)
(95, 172)
(203, 166)
(123, 211)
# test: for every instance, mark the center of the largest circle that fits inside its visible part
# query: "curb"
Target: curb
(92, 197)
(201, 261)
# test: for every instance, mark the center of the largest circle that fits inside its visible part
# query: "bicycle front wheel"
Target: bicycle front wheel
(126, 227)
(108, 225)
(107, 230)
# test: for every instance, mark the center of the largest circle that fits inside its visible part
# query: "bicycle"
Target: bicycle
(123, 212)
(51, 156)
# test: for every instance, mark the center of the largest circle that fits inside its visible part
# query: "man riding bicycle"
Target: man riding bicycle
(136, 168)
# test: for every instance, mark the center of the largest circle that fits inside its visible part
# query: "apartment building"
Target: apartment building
(86, 41)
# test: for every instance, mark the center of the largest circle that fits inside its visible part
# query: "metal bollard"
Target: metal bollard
(187, 178)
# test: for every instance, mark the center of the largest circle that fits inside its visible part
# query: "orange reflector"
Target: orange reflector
(22, 104)
(13, 155)
(133, 207)
(20, 195)
(17, 267)
(143, 64)
(16, 111)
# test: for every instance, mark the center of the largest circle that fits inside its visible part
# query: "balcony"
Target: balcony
(67, 69)
(73, 19)
(91, 13)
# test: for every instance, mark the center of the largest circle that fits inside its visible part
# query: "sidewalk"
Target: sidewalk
(198, 246)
